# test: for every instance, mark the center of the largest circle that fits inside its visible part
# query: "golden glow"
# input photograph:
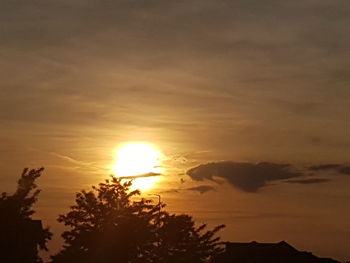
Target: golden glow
(137, 158)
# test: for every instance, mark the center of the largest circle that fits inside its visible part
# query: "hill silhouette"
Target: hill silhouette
(255, 252)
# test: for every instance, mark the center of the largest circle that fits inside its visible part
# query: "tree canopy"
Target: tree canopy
(21, 236)
(110, 224)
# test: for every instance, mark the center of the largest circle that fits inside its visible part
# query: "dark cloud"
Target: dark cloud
(248, 177)
(202, 189)
(340, 168)
(344, 170)
(170, 191)
(151, 174)
(322, 167)
(309, 181)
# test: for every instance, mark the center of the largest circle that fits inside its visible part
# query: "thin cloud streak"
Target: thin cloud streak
(151, 174)
(309, 181)
(339, 168)
(202, 189)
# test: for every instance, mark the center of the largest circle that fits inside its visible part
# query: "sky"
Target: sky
(247, 100)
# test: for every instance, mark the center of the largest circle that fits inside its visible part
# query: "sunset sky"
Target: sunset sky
(246, 104)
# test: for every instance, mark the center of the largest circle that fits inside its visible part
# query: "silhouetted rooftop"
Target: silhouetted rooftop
(255, 252)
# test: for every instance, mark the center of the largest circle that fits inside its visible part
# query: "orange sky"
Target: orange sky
(204, 81)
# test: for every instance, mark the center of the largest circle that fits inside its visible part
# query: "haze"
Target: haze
(247, 100)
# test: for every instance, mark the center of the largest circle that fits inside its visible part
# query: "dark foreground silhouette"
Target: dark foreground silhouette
(111, 224)
(108, 224)
(255, 252)
(20, 236)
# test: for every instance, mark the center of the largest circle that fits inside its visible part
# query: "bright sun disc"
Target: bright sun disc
(138, 158)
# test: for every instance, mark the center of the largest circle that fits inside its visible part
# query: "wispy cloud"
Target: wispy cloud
(339, 168)
(309, 181)
(202, 189)
(79, 164)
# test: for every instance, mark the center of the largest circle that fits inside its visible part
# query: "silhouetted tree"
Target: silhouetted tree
(107, 224)
(180, 241)
(20, 235)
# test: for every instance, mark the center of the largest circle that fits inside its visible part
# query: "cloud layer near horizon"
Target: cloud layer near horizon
(219, 80)
(250, 177)
(340, 168)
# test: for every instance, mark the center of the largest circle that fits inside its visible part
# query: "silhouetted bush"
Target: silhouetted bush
(20, 235)
(108, 224)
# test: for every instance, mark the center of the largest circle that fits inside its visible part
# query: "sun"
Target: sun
(138, 158)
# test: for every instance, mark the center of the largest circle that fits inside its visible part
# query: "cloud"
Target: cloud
(309, 181)
(170, 191)
(322, 167)
(248, 177)
(344, 170)
(226, 67)
(151, 174)
(340, 168)
(202, 189)
(77, 164)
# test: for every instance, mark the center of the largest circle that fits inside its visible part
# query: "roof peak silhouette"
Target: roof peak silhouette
(255, 252)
